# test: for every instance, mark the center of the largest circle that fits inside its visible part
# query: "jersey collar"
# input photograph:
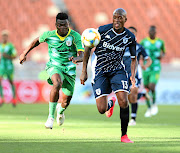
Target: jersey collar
(62, 38)
(152, 40)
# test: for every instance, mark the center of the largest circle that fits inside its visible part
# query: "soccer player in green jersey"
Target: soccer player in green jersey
(7, 54)
(65, 50)
(156, 50)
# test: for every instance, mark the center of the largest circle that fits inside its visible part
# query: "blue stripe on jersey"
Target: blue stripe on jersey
(111, 48)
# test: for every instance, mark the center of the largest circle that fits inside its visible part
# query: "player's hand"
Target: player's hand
(83, 77)
(133, 81)
(22, 58)
(76, 60)
(144, 67)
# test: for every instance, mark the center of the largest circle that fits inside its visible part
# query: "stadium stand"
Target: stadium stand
(29, 18)
(141, 14)
(26, 20)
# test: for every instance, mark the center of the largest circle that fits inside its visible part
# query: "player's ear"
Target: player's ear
(125, 19)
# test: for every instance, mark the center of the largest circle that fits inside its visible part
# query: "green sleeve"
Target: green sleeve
(78, 43)
(43, 37)
(163, 47)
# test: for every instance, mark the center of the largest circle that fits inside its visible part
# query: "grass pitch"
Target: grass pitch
(86, 131)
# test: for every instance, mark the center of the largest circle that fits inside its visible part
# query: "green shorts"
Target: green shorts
(68, 80)
(151, 77)
(9, 74)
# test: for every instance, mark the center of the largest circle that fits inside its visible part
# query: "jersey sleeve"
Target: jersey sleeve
(78, 43)
(143, 53)
(43, 37)
(132, 47)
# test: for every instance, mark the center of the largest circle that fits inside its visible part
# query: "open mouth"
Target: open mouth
(117, 25)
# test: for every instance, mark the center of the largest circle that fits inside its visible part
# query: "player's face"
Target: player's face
(62, 26)
(4, 38)
(152, 32)
(133, 31)
(118, 21)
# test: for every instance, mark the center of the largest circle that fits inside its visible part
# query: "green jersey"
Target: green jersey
(61, 48)
(10, 50)
(153, 49)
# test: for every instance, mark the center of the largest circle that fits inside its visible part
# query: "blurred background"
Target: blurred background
(27, 19)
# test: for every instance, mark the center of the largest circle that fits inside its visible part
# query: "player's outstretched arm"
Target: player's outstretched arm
(133, 71)
(84, 75)
(22, 57)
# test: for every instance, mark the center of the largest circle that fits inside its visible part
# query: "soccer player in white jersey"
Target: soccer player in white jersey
(110, 74)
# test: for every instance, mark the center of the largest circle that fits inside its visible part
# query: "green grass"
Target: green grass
(86, 131)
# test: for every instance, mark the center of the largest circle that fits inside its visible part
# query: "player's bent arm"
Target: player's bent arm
(134, 64)
(148, 63)
(34, 44)
(84, 76)
(161, 55)
(77, 59)
(8, 56)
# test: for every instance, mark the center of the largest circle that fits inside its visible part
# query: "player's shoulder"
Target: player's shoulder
(160, 40)
(130, 34)
(105, 28)
(143, 40)
(49, 33)
(139, 45)
(75, 33)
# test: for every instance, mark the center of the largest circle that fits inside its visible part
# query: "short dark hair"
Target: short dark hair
(153, 26)
(133, 28)
(62, 16)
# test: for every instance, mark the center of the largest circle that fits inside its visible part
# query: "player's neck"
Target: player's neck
(5, 42)
(118, 31)
(153, 38)
(62, 35)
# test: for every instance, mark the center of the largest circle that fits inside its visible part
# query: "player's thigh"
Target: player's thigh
(10, 76)
(55, 76)
(119, 81)
(57, 81)
(133, 95)
(101, 86)
(154, 77)
(101, 104)
(146, 77)
(119, 84)
(68, 84)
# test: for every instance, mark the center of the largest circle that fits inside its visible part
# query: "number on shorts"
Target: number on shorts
(125, 84)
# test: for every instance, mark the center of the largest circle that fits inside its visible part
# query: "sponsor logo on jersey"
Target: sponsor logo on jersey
(112, 47)
(68, 41)
(125, 40)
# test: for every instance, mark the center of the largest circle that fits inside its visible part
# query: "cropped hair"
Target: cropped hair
(133, 28)
(62, 16)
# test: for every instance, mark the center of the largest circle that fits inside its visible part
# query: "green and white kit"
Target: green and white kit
(60, 49)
